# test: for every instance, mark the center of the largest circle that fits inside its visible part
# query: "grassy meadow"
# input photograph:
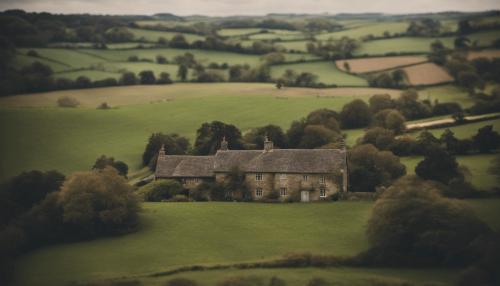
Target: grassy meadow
(177, 234)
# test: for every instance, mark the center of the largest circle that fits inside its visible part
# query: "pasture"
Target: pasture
(476, 164)
(153, 36)
(327, 73)
(376, 29)
(177, 234)
(71, 139)
(378, 63)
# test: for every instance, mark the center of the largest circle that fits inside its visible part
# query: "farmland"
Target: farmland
(327, 73)
(205, 233)
(426, 74)
(375, 29)
(378, 63)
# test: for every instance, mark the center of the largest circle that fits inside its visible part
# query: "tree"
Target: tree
(98, 203)
(273, 58)
(161, 59)
(257, 136)
(355, 114)
(325, 117)
(412, 224)
(179, 41)
(147, 77)
(438, 165)
(164, 78)
(182, 72)
(390, 119)
(470, 80)
(306, 79)
(103, 161)
(378, 137)
(347, 67)
(209, 137)
(461, 42)
(486, 139)
(398, 76)
(295, 133)
(371, 168)
(173, 143)
(316, 136)
(128, 78)
(380, 102)
(450, 141)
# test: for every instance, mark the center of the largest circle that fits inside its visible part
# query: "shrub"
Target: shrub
(161, 190)
(104, 106)
(67, 101)
(32, 53)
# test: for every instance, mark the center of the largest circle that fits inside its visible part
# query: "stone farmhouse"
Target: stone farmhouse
(312, 174)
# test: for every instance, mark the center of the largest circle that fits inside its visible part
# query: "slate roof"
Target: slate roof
(312, 161)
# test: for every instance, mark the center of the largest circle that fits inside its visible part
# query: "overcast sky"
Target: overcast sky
(246, 7)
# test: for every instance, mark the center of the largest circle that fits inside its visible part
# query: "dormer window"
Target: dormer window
(258, 177)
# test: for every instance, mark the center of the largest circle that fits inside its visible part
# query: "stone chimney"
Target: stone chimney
(268, 145)
(161, 154)
(223, 144)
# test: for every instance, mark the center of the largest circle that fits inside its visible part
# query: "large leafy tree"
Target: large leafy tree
(257, 136)
(174, 145)
(355, 114)
(210, 135)
(438, 165)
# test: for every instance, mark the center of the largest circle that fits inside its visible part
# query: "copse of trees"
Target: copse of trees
(438, 165)
(412, 224)
(104, 161)
(173, 144)
(333, 49)
(210, 135)
(355, 114)
(254, 139)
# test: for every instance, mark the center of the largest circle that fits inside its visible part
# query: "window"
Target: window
(196, 180)
(322, 179)
(305, 177)
(322, 193)
(258, 192)
(283, 192)
(282, 176)
(258, 177)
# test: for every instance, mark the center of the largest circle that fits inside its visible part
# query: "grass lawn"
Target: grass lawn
(327, 73)
(176, 234)
(477, 164)
(48, 137)
(193, 233)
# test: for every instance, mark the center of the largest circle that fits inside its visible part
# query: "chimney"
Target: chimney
(223, 144)
(268, 145)
(161, 154)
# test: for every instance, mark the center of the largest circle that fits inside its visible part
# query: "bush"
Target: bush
(413, 225)
(161, 190)
(104, 106)
(67, 101)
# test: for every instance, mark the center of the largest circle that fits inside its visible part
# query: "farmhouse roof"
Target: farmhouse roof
(315, 161)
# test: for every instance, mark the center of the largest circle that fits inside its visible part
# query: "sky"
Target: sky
(246, 7)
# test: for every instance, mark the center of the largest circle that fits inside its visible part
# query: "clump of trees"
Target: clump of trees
(173, 143)
(104, 161)
(209, 136)
(333, 49)
(412, 224)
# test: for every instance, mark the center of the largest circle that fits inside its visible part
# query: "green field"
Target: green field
(327, 73)
(477, 165)
(294, 45)
(376, 29)
(152, 36)
(176, 234)
(419, 45)
(71, 139)
(237, 31)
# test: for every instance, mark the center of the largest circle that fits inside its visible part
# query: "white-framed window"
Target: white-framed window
(305, 178)
(282, 176)
(258, 177)
(283, 192)
(322, 193)
(258, 192)
(196, 180)
(321, 179)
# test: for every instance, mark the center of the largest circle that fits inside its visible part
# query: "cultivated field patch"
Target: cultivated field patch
(426, 74)
(490, 54)
(380, 63)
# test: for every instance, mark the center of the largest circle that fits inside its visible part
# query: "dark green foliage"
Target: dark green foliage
(147, 77)
(355, 114)
(209, 136)
(379, 137)
(179, 41)
(438, 165)
(494, 169)
(449, 141)
(486, 139)
(161, 190)
(380, 102)
(174, 145)
(182, 72)
(161, 59)
(119, 34)
(242, 281)
(104, 161)
(446, 108)
(410, 107)
(315, 136)
(438, 53)
(317, 282)
(164, 78)
(390, 119)
(256, 137)
(371, 168)
(413, 225)
(326, 117)
(424, 27)
(23, 191)
(128, 78)
(181, 282)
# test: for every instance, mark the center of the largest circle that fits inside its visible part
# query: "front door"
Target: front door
(304, 196)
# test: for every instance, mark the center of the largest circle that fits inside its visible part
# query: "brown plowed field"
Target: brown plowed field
(426, 74)
(379, 63)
